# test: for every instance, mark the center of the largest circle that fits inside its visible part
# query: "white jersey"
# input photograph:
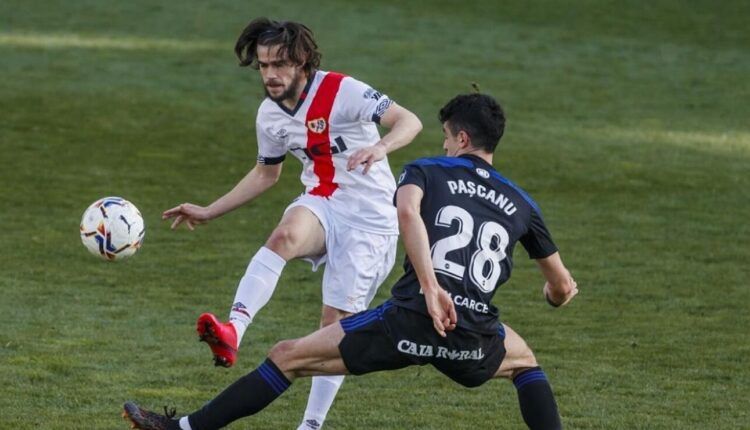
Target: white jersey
(335, 116)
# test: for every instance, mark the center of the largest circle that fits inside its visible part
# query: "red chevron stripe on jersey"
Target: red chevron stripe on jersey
(318, 138)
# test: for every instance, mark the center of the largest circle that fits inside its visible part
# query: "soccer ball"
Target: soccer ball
(112, 228)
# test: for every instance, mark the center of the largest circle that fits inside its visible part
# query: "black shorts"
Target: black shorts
(390, 337)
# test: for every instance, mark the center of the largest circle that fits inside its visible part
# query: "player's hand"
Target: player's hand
(556, 302)
(367, 156)
(441, 309)
(192, 215)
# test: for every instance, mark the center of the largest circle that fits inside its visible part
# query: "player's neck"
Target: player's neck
(486, 156)
(292, 102)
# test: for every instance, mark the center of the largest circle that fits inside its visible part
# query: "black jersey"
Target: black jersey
(474, 217)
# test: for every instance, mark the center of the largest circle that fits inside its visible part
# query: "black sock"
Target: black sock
(246, 396)
(537, 402)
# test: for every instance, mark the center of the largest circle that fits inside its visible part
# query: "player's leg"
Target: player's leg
(299, 234)
(360, 344)
(358, 263)
(324, 388)
(535, 396)
(315, 354)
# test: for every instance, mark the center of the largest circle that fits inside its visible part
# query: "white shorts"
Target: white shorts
(357, 261)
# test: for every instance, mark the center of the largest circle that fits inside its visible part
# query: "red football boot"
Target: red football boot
(221, 337)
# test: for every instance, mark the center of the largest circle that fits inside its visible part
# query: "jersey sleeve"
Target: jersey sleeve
(537, 241)
(412, 174)
(270, 149)
(360, 102)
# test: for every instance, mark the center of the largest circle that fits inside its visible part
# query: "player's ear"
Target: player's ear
(463, 139)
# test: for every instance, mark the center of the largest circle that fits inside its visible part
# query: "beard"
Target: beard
(288, 94)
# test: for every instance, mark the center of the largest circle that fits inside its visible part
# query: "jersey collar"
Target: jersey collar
(302, 97)
(478, 161)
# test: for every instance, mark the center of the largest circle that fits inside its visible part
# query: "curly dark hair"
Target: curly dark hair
(478, 115)
(295, 42)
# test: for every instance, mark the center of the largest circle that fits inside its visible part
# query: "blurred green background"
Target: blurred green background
(627, 122)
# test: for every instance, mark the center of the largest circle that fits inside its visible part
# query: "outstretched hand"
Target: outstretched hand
(192, 215)
(367, 156)
(441, 309)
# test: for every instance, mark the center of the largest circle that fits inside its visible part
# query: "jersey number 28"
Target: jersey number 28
(492, 240)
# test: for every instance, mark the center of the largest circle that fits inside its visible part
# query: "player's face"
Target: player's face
(451, 143)
(282, 80)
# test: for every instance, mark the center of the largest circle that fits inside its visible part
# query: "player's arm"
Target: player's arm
(417, 245)
(258, 180)
(560, 287)
(403, 127)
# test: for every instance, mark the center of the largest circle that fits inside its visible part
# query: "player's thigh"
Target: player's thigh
(518, 355)
(369, 343)
(315, 354)
(298, 234)
(357, 264)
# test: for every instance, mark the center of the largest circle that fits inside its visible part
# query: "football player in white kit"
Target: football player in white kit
(345, 218)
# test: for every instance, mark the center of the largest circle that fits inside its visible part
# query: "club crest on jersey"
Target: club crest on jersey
(483, 173)
(317, 125)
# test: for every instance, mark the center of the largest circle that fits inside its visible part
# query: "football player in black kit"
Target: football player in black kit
(460, 220)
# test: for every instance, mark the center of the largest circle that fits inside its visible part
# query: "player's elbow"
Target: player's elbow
(272, 176)
(273, 180)
(407, 123)
(414, 123)
(267, 175)
(407, 215)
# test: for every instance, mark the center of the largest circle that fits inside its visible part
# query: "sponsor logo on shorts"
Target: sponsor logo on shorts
(412, 348)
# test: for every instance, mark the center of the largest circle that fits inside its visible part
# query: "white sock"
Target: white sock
(322, 393)
(185, 424)
(255, 289)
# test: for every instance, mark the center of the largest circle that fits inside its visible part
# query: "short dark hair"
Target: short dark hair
(479, 115)
(295, 40)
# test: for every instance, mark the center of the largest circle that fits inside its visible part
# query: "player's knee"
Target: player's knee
(527, 357)
(525, 360)
(282, 354)
(283, 240)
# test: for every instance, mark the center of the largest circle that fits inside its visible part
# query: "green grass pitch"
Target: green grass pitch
(627, 122)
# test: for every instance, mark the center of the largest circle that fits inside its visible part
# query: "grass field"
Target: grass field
(627, 122)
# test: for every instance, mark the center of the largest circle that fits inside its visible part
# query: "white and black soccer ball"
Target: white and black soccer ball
(112, 228)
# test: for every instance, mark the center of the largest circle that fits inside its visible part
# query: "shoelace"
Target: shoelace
(170, 413)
